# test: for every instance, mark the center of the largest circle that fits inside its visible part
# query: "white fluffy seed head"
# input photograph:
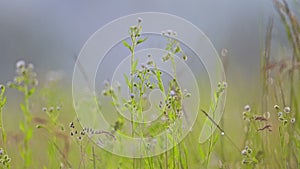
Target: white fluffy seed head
(293, 120)
(287, 109)
(244, 152)
(276, 107)
(140, 20)
(20, 64)
(247, 108)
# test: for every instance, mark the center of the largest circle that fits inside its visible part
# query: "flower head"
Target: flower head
(172, 93)
(287, 109)
(293, 120)
(20, 64)
(247, 108)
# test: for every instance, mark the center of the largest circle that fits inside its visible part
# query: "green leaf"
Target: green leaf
(141, 40)
(31, 91)
(127, 80)
(23, 107)
(177, 49)
(29, 134)
(134, 66)
(22, 127)
(127, 45)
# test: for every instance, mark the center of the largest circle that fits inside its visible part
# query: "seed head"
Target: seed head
(172, 93)
(132, 95)
(287, 109)
(293, 120)
(247, 108)
(244, 152)
(1, 87)
(51, 109)
(140, 20)
(20, 64)
(276, 107)
(44, 109)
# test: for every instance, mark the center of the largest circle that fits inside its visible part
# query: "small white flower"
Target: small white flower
(287, 109)
(276, 107)
(293, 120)
(30, 66)
(247, 108)
(225, 85)
(140, 20)
(44, 109)
(172, 93)
(132, 95)
(244, 152)
(224, 52)
(20, 64)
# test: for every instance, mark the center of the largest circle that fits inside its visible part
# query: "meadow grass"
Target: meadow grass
(49, 135)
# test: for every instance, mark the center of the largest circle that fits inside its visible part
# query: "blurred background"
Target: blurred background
(50, 33)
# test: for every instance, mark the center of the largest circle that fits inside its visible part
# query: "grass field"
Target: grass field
(40, 129)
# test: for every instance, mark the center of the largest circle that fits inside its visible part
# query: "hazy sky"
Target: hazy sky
(50, 33)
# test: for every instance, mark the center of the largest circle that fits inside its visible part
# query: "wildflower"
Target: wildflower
(287, 109)
(1, 87)
(276, 107)
(20, 64)
(140, 20)
(172, 93)
(279, 114)
(293, 120)
(224, 52)
(30, 66)
(44, 109)
(51, 109)
(132, 95)
(244, 152)
(72, 125)
(1, 152)
(247, 108)
(58, 108)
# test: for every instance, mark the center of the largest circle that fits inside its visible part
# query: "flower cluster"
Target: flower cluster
(285, 115)
(248, 156)
(4, 159)
(25, 79)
